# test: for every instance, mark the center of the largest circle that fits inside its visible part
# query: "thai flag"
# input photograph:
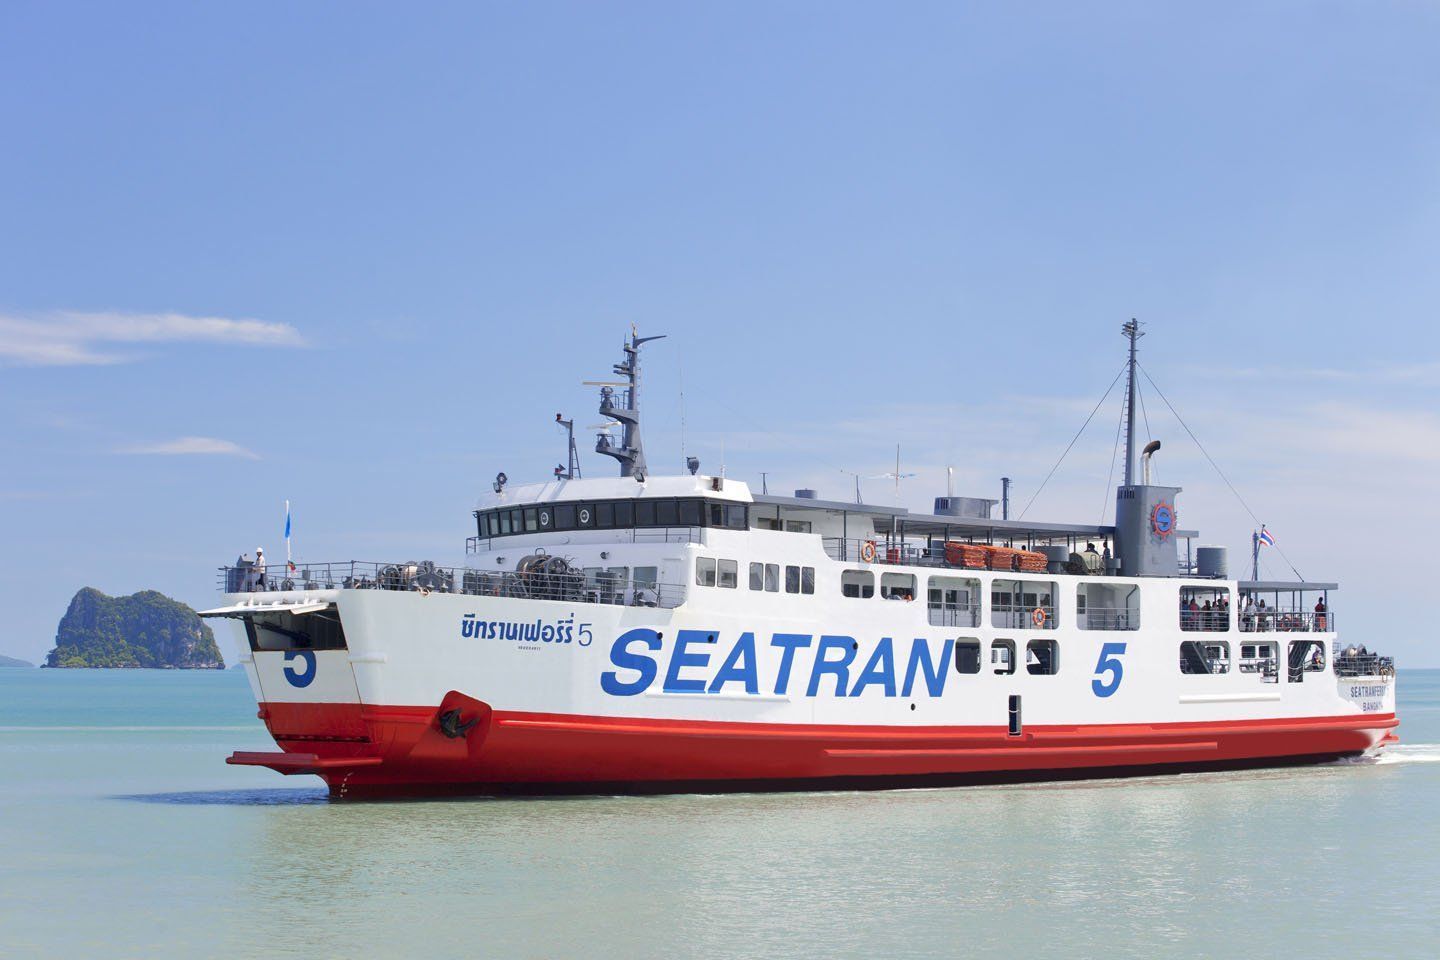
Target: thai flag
(1265, 538)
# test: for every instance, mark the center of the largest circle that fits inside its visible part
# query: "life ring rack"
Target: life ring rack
(867, 551)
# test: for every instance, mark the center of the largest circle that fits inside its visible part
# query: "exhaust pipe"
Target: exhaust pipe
(1145, 456)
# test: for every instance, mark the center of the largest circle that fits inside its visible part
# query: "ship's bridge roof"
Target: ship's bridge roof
(618, 488)
(922, 524)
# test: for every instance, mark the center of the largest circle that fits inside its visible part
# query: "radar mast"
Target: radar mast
(623, 406)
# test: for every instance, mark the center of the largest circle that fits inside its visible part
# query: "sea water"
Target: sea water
(123, 834)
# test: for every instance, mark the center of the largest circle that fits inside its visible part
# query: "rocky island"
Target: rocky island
(145, 629)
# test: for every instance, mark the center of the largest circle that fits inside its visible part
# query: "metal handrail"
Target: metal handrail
(1364, 665)
(570, 587)
(954, 615)
(1286, 621)
(1109, 618)
(1011, 616)
(1204, 621)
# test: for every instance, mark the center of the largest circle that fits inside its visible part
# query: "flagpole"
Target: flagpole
(1255, 554)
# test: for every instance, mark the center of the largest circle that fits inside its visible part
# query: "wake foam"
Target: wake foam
(1400, 753)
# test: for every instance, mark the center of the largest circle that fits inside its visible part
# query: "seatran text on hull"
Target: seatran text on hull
(673, 633)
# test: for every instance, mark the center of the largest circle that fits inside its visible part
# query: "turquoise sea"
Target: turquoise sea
(123, 834)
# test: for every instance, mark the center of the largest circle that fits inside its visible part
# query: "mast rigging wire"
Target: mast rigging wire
(1114, 455)
(1072, 441)
(1181, 419)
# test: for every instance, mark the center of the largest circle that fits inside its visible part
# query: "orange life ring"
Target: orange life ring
(1038, 616)
(867, 551)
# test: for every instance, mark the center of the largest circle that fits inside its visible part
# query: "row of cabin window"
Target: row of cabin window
(1042, 656)
(611, 515)
(710, 572)
(1201, 657)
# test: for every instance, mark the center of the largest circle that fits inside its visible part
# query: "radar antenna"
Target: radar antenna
(623, 405)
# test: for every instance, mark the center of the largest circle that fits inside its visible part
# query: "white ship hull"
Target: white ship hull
(592, 696)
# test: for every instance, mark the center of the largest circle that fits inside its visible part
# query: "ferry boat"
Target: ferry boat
(646, 633)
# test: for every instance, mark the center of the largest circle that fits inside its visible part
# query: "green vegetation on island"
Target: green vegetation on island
(13, 662)
(145, 629)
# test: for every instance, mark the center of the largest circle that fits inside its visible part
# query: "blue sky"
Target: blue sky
(358, 255)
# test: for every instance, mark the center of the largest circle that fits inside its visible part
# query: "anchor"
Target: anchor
(451, 725)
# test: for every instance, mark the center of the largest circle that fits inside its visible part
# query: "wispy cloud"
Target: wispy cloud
(1422, 373)
(88, 339)
(188, 446)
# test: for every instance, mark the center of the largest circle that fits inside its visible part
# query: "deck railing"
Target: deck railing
(954, 615)
(1109, 618)
(1013, 616)
(569, 586)
(1287, 621)
(1364, 665)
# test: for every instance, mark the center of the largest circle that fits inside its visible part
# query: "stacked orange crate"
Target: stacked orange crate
(1003, 558)
(1032, 561)
(966, 554)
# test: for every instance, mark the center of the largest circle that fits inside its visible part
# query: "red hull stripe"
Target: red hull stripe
(359, 747)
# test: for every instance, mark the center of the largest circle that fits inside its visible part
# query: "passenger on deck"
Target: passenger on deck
(1207, 617)
(1262, 616)
(1093, 563)
(260, 568)
(1105, 557)
(1320, 612)
(1194, 611)
(1247, 615)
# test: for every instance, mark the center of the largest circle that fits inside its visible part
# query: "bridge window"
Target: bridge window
(1107, 606)
(797, 526)
(728, 572)
(1002, 656)
(1205, 609)
(953, 602)
(667, 514)
(1042, 658)
(705, 571)
(857, 583)
(689, 513)
(1022, 604)
(1204, 656)
(967, 655)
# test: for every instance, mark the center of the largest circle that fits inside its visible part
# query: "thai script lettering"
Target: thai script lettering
(560, 631)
